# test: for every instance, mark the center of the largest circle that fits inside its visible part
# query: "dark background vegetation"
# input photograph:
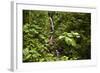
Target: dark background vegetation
(70, 39)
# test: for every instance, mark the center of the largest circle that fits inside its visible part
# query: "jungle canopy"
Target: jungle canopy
(56, 36)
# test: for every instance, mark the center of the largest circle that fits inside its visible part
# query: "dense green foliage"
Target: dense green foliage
(70, 40)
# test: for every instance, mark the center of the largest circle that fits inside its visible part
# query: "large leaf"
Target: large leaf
(70, 41)
(75, 33)
(61, 37)
(69, 34)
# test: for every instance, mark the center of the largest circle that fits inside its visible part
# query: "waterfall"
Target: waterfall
(52, 25)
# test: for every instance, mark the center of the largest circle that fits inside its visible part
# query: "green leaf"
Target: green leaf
(36, 26)
(69, 35)
(34, 30)
(75, 33)
(41, 60)
(73, 42)
(61, 37)
(25, 51)
(28, 56)
(64, 58)
(65, 33)
(70, 41)
(42, 36)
